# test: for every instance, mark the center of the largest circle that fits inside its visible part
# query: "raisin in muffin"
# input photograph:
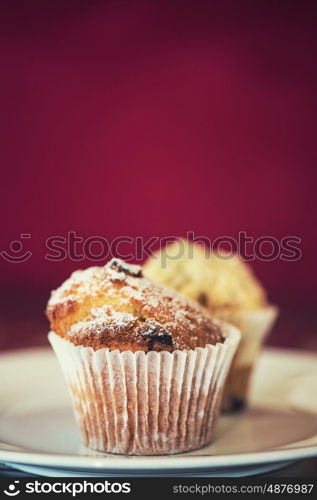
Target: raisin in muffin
(228, 288)
(145, 365)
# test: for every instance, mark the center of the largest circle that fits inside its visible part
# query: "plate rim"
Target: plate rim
(102, 461)
(142, 462)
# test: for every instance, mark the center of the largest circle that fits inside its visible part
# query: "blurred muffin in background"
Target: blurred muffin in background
(225, 285)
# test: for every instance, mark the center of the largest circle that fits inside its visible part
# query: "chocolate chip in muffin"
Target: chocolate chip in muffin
(164, 339)
(155, 332)
(118, 270)
(202, 299)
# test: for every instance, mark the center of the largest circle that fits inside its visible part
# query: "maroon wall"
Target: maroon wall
(156, 118)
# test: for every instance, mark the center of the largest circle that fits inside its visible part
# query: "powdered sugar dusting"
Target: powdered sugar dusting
(79, 284)
(109, 322)
(115, 275)
(117, 299)
(132, 293)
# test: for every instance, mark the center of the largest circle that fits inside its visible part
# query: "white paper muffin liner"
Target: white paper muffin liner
(255, 325)
(146, 403)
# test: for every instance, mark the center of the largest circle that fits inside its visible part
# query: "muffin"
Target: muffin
(145, 366)
(227, 287)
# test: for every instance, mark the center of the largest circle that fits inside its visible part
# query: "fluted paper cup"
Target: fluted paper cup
(255, 325)
(151, 403)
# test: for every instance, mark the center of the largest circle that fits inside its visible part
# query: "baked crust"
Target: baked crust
(116, 307)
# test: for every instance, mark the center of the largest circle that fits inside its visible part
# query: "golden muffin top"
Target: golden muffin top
(220, 282)
(116, 307)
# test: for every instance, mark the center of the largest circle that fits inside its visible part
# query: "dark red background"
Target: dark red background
(157, 118)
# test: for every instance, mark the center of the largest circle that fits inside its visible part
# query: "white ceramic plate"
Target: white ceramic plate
(38, 434)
